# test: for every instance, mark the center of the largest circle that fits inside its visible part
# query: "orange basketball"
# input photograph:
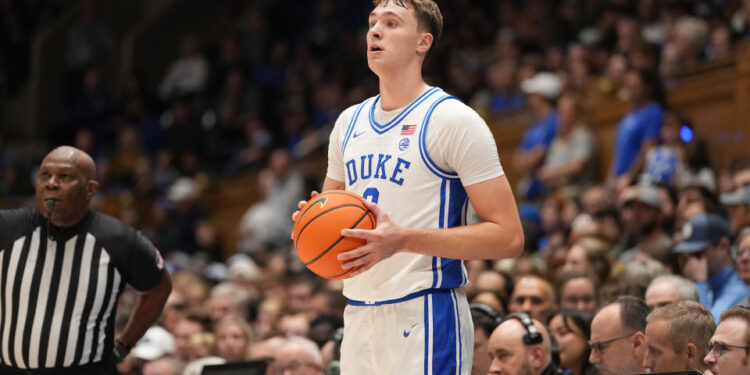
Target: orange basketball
(317, 231)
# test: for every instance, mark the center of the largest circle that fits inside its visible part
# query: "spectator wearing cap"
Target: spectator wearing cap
(738, 203)
(642, 215)
(155, 344)
(730, 344)
(676, 337)
(741, 255)
(704, 257)
(639, 130)
(666, 289)
(617, 337)
(542, 90)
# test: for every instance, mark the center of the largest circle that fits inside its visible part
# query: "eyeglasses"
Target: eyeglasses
(601, 345)
(738, 252)
(718, 348)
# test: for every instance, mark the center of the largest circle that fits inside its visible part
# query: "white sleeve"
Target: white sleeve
(458, 140)
(336, 140)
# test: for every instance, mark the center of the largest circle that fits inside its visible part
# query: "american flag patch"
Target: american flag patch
(408, 129)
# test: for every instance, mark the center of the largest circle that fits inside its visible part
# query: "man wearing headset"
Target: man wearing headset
(521, 346)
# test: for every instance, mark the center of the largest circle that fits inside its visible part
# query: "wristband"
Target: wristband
(123, 344)
(118, 356)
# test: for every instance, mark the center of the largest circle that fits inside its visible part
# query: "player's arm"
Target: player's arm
(498, 236)
(331, 184)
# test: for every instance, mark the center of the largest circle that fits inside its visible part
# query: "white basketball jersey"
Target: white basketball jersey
(414, 164)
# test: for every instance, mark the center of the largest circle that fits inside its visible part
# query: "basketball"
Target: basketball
(317, 231)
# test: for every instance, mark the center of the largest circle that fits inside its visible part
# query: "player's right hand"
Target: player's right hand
(301, 204)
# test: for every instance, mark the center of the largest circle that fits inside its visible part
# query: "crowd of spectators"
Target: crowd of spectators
(261, 91)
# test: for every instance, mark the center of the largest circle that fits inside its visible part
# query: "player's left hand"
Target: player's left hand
(382, 242)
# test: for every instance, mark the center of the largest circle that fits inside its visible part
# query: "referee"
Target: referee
(62, 269)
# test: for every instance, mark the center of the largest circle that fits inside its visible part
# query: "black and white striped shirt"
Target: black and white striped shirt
(58, 290)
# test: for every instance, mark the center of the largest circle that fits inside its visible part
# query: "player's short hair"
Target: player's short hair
(688, 322)
(742, 313)
(428, 16)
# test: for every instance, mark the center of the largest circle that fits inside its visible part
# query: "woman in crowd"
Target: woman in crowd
(234, 338)
(572, 330)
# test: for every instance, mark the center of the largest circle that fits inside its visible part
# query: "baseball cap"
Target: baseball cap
(736, 198)
(156, 343)
(646, 194)
(182, 189)
(701, 232)
(545, 84)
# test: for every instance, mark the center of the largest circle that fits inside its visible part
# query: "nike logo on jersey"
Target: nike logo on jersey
(358, 134)
(407, 333)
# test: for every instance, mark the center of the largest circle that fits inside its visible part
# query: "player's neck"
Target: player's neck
(398, 90)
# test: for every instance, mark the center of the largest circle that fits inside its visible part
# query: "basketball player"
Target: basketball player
(420, 156)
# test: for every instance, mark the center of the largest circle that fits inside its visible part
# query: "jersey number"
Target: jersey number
(371, 194)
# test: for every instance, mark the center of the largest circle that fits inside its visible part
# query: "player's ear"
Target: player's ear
(425, 42)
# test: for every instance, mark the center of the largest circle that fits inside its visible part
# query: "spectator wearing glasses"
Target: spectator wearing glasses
(578, 290)
(704, 257)
(617, 337)
(676, 337)
(729, 348)
(666, 289)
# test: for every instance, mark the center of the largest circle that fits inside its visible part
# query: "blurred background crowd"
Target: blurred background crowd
(237, 120)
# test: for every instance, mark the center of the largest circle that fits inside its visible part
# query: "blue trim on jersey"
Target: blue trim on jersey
(382, 128)
(407, 297)
(431, 165)
(351, 126)
(457, 200)
(453, 202)
(426, 333)
(444, 347)
(460, 338)
(434, 272)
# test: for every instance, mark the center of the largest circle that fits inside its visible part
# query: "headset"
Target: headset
(488, 311)
(532, 336)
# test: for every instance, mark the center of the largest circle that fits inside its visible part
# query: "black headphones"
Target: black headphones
(487, 311)
(532, 336)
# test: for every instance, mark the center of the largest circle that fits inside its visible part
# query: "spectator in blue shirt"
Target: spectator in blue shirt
(639, 130)
(704, 257)
(542, 90)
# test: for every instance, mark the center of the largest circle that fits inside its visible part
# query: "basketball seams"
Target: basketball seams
(339, 199)
(325, 193)
(338, 240)
(321, 214)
